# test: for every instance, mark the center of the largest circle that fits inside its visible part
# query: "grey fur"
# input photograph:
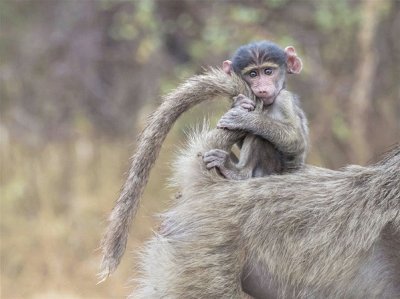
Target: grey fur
(314, 233)
(276, 140)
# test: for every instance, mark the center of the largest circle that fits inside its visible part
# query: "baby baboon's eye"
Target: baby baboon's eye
(268, 71)
(253, 74)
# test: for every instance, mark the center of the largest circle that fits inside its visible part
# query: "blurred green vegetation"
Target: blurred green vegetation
(78, 79)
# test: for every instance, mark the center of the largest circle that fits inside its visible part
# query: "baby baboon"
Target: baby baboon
(273, 140)
(314, 233)
(277, 136)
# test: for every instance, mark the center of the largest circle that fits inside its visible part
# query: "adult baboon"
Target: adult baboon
(316, 233)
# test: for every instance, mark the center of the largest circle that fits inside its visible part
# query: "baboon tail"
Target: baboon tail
(195, 90)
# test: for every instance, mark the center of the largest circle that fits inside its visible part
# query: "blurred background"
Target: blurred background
(79, 77)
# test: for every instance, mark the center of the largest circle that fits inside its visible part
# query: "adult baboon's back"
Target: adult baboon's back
(316, 233)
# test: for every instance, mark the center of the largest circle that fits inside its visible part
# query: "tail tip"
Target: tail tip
(107, 267)
(103, 275)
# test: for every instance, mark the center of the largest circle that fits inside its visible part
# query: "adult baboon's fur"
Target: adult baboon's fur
(316, 233)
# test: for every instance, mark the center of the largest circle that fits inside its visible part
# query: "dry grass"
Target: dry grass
(54, 201)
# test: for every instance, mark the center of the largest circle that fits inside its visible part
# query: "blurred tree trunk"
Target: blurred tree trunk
(361, 94)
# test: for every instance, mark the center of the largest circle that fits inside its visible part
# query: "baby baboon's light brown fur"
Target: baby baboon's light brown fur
(316, 233)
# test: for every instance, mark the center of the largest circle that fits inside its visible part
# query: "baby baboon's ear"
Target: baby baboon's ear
(294, 64)
(227, 66)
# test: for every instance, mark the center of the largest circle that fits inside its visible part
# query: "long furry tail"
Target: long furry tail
(195, 90)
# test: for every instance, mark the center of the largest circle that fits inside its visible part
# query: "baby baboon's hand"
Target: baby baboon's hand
(243, 102)
(215, 158)
(234, 119)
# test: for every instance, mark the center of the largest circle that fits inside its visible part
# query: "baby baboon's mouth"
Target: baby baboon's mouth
(268, 101)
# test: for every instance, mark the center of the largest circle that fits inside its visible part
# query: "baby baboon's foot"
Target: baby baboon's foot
(215, 158)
